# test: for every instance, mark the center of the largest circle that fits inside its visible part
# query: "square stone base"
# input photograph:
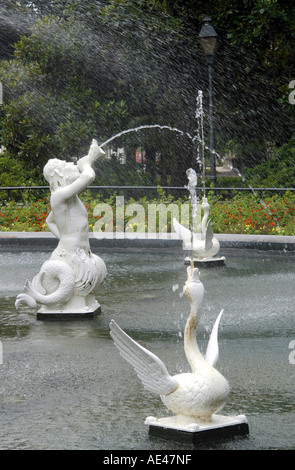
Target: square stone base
(185, 429)
(68, 315)
(206, 262)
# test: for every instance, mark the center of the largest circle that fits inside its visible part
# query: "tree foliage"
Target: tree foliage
(278, 172)
(81, 70)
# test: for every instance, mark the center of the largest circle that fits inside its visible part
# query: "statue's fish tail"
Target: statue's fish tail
(43, 287)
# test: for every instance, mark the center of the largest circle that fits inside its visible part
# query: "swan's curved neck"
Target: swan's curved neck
(204, 220)
(191, 348)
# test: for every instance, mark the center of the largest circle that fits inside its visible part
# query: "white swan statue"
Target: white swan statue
(196, 394)
(204, 244)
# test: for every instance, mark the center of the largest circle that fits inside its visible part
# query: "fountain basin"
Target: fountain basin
(64, 386)
(45, 240)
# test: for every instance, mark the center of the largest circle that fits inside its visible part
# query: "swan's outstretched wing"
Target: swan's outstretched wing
(208, 237)
(212, 351)
(148, 367)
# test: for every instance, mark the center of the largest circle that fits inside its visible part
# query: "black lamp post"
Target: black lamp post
(208, 37)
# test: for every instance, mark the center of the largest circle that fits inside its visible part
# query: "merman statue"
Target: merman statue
(68, 281)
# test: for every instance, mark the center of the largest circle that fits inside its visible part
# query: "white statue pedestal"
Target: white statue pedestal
(206, 262)
(45, 315)
(70, 311)
(186, 429)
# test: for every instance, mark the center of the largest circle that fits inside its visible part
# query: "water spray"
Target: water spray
(200, 135)
(147, 126)
(192, 184)
(199, 138)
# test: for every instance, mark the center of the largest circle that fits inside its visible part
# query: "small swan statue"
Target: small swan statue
(204, 244)
(194, 395)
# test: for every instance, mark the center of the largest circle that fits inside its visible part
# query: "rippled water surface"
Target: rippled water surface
(63, 385)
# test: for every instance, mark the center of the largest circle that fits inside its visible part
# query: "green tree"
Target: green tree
(85, 70)
(279, 172)
(51, 106)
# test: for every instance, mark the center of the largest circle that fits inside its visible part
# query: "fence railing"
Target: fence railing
(10, 192)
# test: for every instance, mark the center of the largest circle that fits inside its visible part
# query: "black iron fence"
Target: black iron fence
(20, 193)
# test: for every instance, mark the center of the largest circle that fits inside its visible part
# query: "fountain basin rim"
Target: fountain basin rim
(38, 240)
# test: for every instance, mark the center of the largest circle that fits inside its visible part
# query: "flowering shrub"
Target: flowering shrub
(24, 217)
(244, 214)
(250, 214)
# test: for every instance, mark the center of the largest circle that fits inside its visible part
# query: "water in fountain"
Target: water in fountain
(67, 375)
